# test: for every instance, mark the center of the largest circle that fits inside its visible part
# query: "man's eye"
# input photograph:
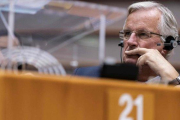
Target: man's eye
(143, 35)
(127, 34)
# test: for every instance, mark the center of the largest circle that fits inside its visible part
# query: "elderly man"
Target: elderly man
(148, 26)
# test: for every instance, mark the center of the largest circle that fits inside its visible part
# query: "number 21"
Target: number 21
(138, 102)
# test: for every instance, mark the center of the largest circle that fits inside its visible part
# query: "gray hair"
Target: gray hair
(168, 24)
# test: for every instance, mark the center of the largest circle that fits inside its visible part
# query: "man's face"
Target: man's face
(142, 20)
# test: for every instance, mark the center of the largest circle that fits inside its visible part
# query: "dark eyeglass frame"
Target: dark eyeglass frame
(138, 33)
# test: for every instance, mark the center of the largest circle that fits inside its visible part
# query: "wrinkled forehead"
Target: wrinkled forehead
(144, 19)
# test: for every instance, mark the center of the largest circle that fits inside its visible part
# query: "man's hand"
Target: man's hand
(155, 61)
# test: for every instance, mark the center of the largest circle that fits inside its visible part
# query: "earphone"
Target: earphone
(121, 44)
(170, 43)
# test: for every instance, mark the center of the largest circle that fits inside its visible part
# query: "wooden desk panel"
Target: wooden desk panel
(45, 97)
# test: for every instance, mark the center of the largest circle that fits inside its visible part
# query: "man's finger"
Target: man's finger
(139, 51)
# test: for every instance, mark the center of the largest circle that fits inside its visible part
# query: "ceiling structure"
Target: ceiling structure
(173, 5)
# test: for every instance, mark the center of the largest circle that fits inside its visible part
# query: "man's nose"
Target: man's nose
(132, 40)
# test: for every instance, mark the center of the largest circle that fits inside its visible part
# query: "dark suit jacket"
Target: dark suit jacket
(88, 71)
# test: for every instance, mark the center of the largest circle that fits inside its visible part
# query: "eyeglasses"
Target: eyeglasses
(125, 34)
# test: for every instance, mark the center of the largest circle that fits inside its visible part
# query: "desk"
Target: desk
(46, 97)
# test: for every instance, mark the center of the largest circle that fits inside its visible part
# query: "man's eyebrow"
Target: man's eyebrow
(143, 29)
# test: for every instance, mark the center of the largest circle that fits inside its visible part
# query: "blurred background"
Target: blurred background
(54, 35)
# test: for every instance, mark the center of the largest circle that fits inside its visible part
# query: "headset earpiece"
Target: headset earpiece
(121, 43)
(170, 43)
